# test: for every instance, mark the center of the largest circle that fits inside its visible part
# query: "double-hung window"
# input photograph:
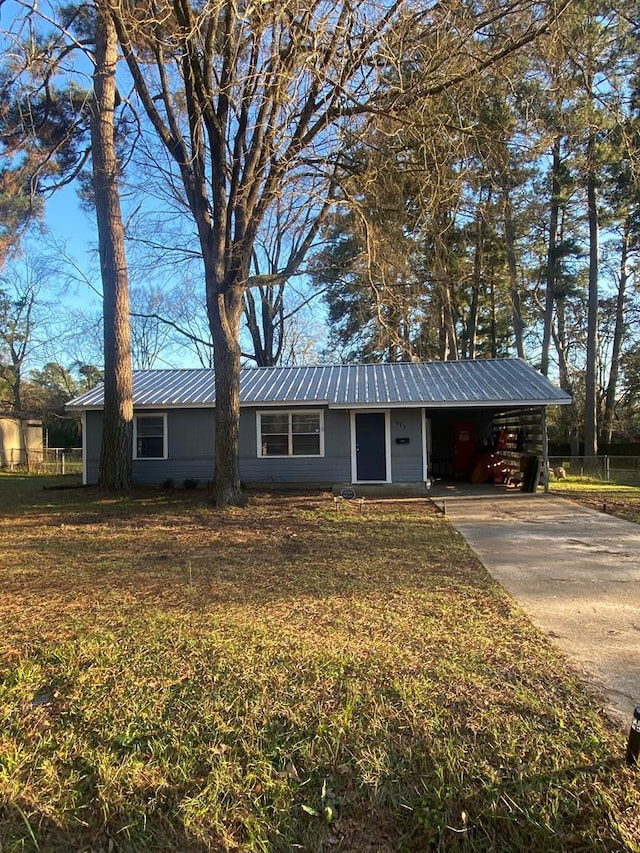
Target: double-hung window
(150, 436)
(290, 434)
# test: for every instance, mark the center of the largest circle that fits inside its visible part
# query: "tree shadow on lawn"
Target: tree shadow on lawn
(549, 811)
(554, 811)
(27, 830)
(22, 494)
(292, 562)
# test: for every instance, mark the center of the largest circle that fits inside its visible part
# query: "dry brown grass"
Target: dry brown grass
(614, 499)
(282, 677)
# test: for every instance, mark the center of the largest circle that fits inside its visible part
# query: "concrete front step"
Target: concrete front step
(382, 490)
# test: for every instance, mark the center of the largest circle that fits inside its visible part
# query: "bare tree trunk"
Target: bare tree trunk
(516, 305)
(266, 325)
(493, 337)
(251, 316)
(562, 347)
(405, 336)
(442, 330)
(117, 431)
(450, 320)
(569, 416)
(16, 388)
(616, 348)
(552, 257)
(590, 391)
(478, 257)
(225, 313)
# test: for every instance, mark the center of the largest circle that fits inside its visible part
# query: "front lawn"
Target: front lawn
(279, 678)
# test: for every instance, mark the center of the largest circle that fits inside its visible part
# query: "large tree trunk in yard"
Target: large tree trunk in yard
(474, 308)
(590, 390)
(616, 348)
(117, 432)
(225, 313)
(552, 258)
(514, 293)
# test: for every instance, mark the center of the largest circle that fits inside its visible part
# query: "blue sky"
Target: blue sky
(71, 233)
(70, 225)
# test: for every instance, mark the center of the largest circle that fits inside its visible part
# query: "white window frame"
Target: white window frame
(165, 441)
(289, 413)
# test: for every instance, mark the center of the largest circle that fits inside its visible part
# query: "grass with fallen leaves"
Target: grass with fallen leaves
(282, 677)
(621, 501)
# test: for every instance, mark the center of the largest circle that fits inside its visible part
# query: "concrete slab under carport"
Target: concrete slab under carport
(576, 572)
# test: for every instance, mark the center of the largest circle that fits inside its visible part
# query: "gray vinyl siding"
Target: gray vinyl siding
(190, 436)
(92, 444)
(191, 442)
(406, 459)
(190, 450)
(333, 467)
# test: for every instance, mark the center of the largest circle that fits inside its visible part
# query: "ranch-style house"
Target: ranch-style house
(335, 424)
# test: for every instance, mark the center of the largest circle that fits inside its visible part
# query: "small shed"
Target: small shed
(21, 442)
(328, 424)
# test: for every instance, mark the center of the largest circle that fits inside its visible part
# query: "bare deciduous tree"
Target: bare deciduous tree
(16, 339)
(247, 98)
(250, 97)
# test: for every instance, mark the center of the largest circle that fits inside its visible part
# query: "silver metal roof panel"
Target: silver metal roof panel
(483, 382)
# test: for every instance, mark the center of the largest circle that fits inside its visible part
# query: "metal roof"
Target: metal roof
(483, 382)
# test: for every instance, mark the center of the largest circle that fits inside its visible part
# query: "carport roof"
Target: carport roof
(457, 384)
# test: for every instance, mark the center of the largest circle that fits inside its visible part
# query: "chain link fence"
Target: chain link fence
(51, 460)
(620, 470)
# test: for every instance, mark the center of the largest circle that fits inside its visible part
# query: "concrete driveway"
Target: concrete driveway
(576, 572)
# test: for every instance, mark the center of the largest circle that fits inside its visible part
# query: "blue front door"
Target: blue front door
(371, 459)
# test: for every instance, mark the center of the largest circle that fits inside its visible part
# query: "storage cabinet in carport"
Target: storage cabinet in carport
(531, 468)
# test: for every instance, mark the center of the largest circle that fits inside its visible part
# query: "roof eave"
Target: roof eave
(405, 404)
(452, 404)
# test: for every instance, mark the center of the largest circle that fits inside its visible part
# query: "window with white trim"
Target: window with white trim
(290, 434)
(150, 436)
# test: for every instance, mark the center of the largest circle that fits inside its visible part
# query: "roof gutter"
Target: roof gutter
(453, 404)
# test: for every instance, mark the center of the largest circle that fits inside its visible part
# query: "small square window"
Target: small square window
(150, 437)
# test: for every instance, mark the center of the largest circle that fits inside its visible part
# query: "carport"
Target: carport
(488, 444)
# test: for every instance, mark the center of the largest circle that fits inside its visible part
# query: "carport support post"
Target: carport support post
(545, 449)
